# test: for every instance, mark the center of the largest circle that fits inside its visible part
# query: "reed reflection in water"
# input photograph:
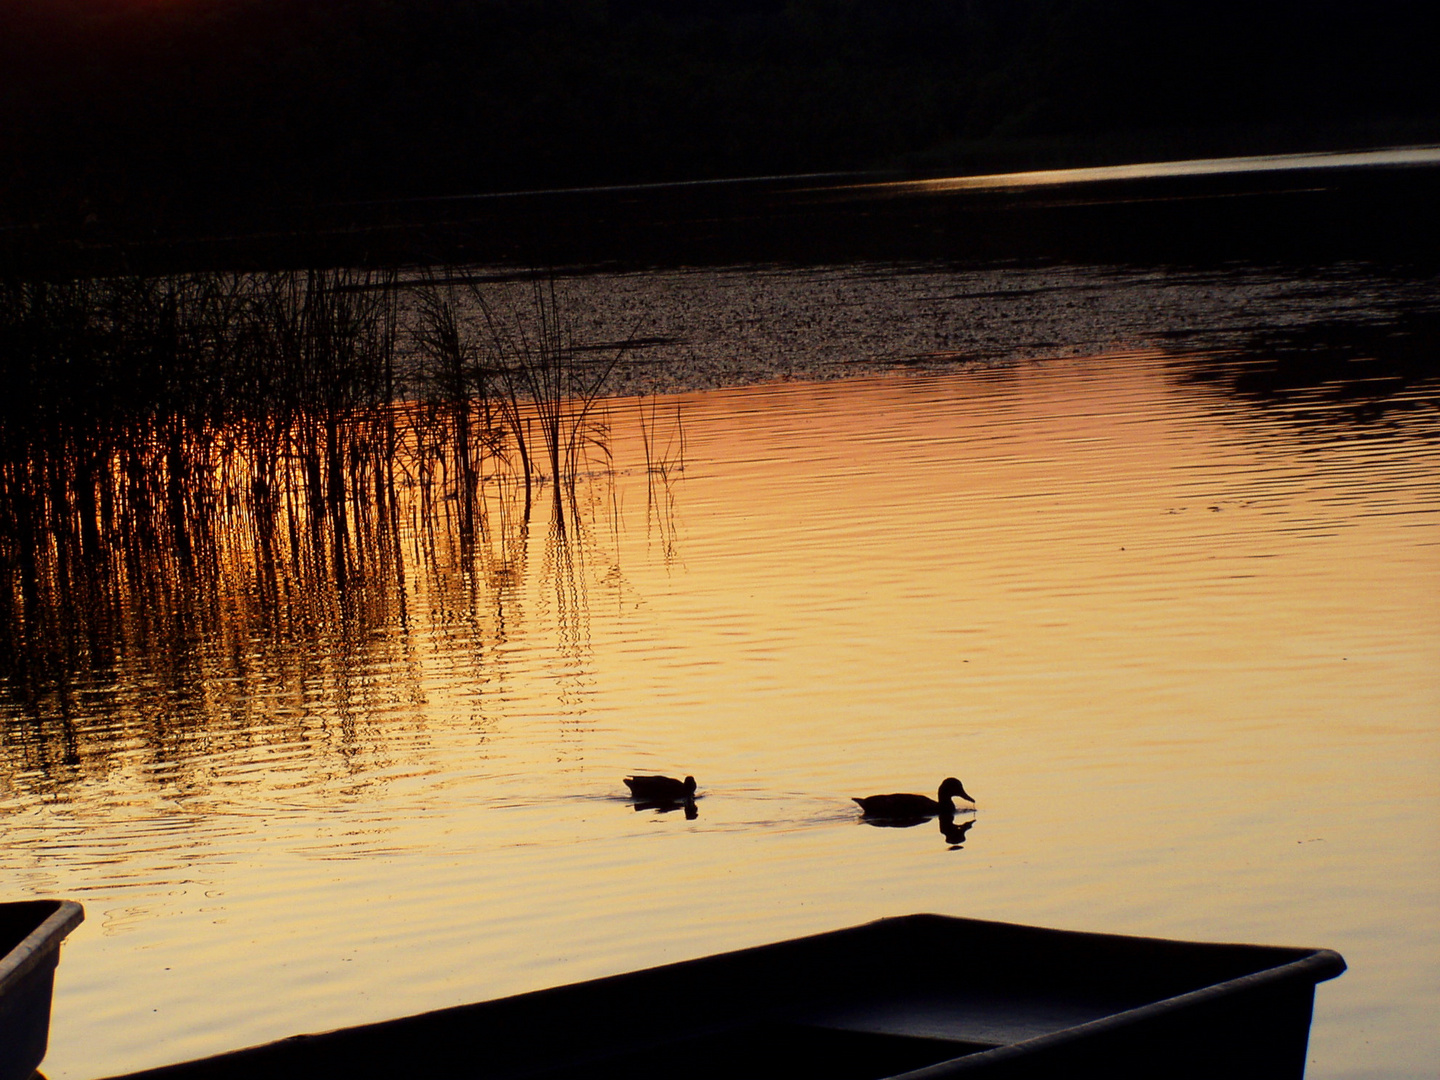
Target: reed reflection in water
(211, 487)
(1181, 647)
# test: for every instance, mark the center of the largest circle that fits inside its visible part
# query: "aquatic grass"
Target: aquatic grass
(293, 381)
(541, 363)
(461, 405)
(149, 414)
(661, 460)
(158, 432)
(664, 462)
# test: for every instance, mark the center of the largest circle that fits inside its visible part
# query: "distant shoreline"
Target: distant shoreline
(1369, 204)
(883, 181)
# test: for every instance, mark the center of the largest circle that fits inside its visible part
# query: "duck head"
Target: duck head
(690, 786)
(951, 788)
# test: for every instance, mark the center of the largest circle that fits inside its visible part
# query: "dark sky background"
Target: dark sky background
(154, 109)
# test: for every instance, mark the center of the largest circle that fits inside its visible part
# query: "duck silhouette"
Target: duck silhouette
(661, 788)
(914, 807)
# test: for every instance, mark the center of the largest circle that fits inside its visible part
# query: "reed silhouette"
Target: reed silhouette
(664, 462)
(290, 438)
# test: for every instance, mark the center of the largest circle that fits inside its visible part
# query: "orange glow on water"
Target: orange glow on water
(1182, 650)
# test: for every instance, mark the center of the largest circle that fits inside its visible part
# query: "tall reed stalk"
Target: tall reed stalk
(542, 364)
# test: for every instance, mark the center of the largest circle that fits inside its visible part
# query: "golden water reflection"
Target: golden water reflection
(1184, 650)
(1405, 155)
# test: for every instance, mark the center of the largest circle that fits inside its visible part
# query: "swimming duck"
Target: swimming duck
(915, 806)
(661, 788)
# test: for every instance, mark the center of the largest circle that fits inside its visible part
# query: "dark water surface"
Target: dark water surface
(1297, 209)
(1150, 558)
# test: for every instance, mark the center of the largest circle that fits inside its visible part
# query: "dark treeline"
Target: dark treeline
(146, 113)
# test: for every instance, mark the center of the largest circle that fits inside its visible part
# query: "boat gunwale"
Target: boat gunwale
(1312, 965)
(33, 949)
(1329, 963)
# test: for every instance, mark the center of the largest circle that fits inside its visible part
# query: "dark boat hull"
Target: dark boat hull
(923, 997)
(30, 936)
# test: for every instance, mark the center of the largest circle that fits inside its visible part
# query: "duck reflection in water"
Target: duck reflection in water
(954, 831)
(663, 794)
(661, 807)
(904, 811)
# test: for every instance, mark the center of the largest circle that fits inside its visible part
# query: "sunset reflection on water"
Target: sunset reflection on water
(1183, 649)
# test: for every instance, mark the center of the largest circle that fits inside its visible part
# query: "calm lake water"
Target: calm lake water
(1176, 631)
